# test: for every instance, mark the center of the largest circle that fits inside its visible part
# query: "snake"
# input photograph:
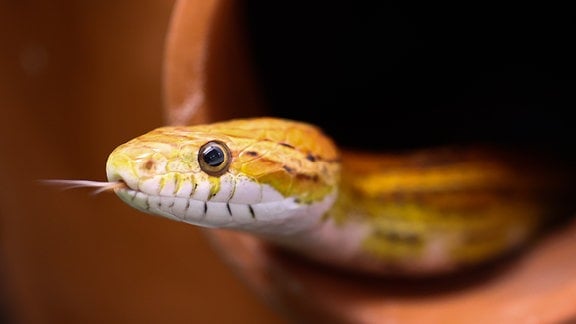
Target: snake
(288, 183)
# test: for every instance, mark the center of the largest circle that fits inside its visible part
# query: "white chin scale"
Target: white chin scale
(280, 217)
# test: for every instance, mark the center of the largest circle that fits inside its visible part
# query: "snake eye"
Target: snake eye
(214, 158)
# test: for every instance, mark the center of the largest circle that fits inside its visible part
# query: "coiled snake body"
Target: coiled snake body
(287, 182)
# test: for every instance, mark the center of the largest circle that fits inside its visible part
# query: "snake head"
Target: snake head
(241, 174)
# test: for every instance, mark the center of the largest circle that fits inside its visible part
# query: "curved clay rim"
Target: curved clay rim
(203, 82)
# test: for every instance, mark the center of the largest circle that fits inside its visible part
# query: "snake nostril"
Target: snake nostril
(148, 165)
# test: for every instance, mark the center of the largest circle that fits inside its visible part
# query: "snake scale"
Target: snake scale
(285, 181)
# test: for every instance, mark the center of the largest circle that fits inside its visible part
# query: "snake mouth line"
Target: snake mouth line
(258, 217)
(134, 192)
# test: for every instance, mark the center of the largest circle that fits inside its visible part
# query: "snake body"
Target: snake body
(287, 182)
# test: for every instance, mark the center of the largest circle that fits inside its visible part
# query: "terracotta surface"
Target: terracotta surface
(536, 287)
(78, 78)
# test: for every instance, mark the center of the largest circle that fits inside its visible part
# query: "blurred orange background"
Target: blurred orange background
(77, 78)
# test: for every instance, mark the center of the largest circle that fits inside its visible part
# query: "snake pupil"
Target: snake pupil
(213, 156)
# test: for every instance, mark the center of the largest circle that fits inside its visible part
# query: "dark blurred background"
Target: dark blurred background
(77, 78)
(420, 76)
